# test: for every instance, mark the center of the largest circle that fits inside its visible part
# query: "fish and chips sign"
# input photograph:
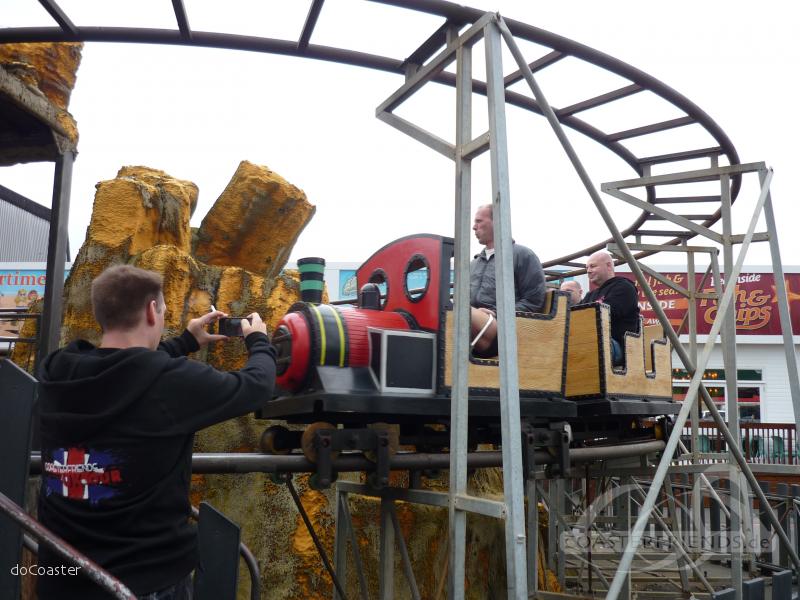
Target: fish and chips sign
(755, 300)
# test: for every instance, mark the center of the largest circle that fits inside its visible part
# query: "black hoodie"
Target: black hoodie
(621, 295)
(117, 427)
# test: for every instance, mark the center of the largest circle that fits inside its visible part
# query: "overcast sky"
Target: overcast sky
(196, 113)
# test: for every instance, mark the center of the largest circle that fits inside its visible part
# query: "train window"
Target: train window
(379, 277)
(417, 278)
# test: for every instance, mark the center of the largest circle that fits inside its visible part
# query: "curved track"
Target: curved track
(577, 116)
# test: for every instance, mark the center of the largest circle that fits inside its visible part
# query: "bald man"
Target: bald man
(529, 285)
(621, 296)
(573, 288)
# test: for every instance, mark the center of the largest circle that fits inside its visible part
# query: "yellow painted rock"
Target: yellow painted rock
(78, 321)
(135, 213)
(141, 208)
(49, 69)
(24, 353)
(181, 273)
(254, 223)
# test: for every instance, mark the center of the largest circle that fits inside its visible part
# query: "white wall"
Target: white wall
(776, 401)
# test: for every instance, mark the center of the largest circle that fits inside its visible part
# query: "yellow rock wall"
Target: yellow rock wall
(135, 213)
(255, 222)
(141, 208)
(24, 353)
(50, 69)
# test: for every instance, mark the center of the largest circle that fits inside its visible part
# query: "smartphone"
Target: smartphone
(230, 326)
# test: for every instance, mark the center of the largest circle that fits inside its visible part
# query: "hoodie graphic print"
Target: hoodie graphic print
(82, 474)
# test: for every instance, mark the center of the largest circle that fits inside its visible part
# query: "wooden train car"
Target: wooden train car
(541, 353)
(642, 385)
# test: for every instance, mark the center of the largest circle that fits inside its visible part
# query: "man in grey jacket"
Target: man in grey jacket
(529, 285)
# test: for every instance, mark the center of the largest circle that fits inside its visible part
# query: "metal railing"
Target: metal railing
(44, 536)
(762, 443)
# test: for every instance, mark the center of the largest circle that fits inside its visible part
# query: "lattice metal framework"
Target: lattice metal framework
(576, 116)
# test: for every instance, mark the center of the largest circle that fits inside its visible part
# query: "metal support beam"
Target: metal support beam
(663, 213)
(696, 378)
(533, 534)
(697, 493)
(659, 248)
(623, 514)
(459, 407)
(182, 19)
(648, 129)
(386, 557)
(506, 326)
(783, 309)
(683, 561)
(406, 561)
(435, 65)
(60, 17)
(432, 141)
(728, 339)
(50, 332)
(693, 388)
(537, 65)
(600, 100)
(345, 531)
(311, 22)
(696, 176)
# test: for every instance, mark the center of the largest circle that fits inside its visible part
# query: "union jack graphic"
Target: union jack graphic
(82, 474)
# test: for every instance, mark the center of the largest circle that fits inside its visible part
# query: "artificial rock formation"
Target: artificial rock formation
(137, 211)
(48, 69)
(233, 231)
(142, 218)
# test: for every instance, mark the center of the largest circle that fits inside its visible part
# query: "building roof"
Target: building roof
(24, 228)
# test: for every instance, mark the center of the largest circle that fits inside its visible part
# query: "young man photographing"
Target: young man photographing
(117, 428)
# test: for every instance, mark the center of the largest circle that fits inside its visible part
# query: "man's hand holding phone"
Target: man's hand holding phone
(197, 327)
(253, 323)
(241, 326)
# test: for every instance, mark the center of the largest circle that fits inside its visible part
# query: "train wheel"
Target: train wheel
(307, 440)
(394, 439)
(277, 440)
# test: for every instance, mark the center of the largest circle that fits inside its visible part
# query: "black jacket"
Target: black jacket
(117, 427)
(620, 294)
(529, 286)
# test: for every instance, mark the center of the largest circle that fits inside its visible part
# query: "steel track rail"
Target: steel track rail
(458, 15)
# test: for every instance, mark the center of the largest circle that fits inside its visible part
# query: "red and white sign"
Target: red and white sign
(755, 300)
